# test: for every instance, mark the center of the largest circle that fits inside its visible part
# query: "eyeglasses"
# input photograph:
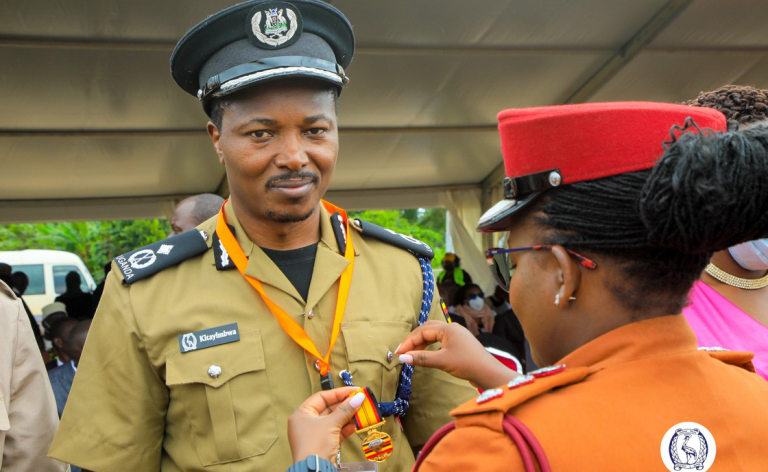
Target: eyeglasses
(498, 259)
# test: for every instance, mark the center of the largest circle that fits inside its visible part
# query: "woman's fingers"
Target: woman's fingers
(347, 431)
(426, 334)
(326, 400)
(432, 359)
(345, 411)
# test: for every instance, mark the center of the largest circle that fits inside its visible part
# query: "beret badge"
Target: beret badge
(274, 25)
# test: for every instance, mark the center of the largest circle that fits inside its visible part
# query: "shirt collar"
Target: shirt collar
(642, 339)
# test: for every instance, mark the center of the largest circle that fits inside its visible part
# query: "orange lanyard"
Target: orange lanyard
(290, 326)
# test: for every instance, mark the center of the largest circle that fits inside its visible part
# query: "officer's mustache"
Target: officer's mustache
(301, 175)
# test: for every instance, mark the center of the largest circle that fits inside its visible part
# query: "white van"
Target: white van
(46, 270)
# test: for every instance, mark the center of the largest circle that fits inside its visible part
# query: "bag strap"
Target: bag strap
(523, 438)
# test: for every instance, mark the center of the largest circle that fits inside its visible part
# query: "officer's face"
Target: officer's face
(279, 143)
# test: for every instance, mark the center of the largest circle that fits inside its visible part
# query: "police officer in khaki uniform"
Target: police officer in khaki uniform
(28, 417)
(204, 343)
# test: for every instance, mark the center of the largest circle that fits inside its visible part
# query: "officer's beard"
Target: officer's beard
(292, 217)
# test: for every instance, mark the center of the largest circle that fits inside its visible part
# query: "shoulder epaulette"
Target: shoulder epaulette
(522, 389)
(412, 245)
(151, 259)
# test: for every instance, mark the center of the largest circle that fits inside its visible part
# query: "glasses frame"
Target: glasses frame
(497, 256)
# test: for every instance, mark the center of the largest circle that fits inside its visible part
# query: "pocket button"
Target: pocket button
(214, 371)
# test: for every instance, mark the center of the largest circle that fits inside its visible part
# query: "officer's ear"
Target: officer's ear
(215, 135)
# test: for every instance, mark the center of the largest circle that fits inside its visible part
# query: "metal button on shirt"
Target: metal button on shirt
(390, 356)
(214, 371)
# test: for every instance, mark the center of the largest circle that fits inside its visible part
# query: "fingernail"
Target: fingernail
(357, 400)
(406, 359)
(398, 347)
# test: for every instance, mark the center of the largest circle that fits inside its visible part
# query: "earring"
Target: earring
(573, 299)
(557, 300)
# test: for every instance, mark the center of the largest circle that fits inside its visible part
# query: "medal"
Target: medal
(377, 445)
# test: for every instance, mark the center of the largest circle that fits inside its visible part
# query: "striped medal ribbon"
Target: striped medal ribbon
(377, 445)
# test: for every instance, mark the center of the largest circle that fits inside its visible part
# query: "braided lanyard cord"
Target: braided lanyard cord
(399, 406)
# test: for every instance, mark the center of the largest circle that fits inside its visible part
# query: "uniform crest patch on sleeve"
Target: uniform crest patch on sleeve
(149, 260)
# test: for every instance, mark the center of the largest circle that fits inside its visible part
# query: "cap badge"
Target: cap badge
(274, 25)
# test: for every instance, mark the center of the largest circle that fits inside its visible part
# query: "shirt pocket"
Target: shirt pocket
(368, 345)
(230, 415)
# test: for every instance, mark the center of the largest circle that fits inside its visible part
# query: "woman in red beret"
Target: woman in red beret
(609, 230)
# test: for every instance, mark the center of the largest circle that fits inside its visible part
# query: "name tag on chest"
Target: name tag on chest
(209, 337)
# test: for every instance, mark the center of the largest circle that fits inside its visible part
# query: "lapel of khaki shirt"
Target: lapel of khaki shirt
(261, 267)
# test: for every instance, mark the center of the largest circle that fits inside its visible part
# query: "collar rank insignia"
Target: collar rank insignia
(223, 261)
(520, 381)
(274, 25)
(547, 371)
(489, 395)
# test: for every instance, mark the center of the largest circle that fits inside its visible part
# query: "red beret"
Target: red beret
(545, 147)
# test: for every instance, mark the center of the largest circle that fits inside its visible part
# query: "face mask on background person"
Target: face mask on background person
(477, 303)
(752, 255)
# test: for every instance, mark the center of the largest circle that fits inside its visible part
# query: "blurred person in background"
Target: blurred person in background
(18, 283)
(59, 335)
(729, 305)
(100, 288)
(28, 419)
(453, 277)
(80, 305)
(63, 376)
(469, 304)
(193, 211)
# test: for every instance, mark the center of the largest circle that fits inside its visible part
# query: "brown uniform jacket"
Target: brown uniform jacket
(28, 417)
(612, 408)
(139, 404)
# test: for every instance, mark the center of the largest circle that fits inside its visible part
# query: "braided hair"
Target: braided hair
(661, 226)
(740, 103)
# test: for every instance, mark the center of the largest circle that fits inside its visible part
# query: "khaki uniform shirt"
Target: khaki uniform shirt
(28, 417)
(619, 405)
(139, 404)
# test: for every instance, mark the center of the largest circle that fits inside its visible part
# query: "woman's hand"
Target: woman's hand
(486, 318)
(461, 355)
(471, 325)
(322, 423)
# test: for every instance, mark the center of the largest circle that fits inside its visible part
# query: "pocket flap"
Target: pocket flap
(239, 357)
(5, 424)
(374, 340)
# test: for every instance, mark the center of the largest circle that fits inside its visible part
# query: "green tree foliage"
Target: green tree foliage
(425, 224)
(96, 242)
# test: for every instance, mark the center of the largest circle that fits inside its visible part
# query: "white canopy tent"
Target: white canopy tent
(93, 126)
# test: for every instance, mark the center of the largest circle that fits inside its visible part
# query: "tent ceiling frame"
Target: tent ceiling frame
(123, 45)
(637, 43)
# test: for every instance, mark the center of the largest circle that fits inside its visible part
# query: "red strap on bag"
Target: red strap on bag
(523, 438)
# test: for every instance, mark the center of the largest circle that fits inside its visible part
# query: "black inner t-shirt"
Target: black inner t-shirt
(297, 265)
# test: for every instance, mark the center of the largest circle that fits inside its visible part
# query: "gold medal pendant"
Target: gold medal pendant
(377, 445)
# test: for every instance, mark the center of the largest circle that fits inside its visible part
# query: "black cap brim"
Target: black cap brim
(501, 216)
